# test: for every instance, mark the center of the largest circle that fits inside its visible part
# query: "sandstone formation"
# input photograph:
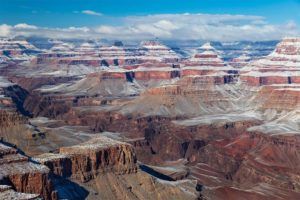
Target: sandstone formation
(208, 62)
(22, 175)
(109, 169)
(206, 57)
(85, 161)
(280, 67)
(155, 51)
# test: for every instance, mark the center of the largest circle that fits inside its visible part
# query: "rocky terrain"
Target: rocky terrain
(22, 178)
(146, 122)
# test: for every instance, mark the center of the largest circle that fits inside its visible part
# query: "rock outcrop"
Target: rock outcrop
(154, 51)
(280, 67)
(96, 156)
(207, 56)
(23, 175)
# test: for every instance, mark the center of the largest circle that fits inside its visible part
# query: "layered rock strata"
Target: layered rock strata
(23, 175)
(279, 67)
(85, 161)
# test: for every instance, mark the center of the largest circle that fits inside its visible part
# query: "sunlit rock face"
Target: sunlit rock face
(207, 62)
(96, 156)
(206, 56)
(280, 67)
(117, 55)
(59, 50)
(66, 54)
(155, 51)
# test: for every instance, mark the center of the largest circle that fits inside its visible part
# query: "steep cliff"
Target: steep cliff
(22, 174)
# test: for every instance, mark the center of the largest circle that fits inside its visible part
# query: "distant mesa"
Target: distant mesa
(282, 66)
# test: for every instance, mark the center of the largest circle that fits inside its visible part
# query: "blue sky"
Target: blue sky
(62, 14)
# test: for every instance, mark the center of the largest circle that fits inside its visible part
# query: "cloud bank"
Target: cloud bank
(167, 26)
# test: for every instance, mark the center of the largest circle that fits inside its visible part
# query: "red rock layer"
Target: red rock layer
(149, 75)
(85, 161)
(265, 80)
(279, 67)
(23, 175)
(279, 98)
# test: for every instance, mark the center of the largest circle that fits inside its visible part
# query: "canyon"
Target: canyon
(92, 121)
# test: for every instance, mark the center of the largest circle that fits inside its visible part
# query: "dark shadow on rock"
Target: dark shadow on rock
(66, 189)
(154, 173)
(18, 95)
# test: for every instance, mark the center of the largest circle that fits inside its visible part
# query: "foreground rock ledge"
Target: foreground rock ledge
(96, 156)
(18, 176)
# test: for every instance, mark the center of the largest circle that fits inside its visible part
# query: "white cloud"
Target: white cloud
(165, 25)
(106, 30)
(91, 12)
(5, 30)
(82, 29)
(25, 26)
(169, 26)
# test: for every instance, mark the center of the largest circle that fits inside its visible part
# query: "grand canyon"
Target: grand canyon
(148, 119)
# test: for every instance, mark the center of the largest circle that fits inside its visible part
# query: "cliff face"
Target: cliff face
(85, 161)
(47, 106)
(156, 74)
(18, 96)
(22, 174)
(10, 118)
(282, 99)
(278, 97)
(256, 80)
